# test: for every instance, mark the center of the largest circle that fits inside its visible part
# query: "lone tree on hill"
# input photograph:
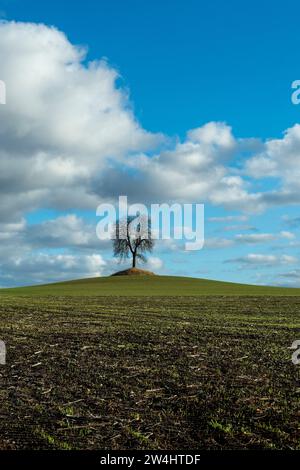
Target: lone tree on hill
(133, 238)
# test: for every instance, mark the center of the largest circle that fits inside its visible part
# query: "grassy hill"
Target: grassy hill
(149, 286)
(87, 372)
(126, 363)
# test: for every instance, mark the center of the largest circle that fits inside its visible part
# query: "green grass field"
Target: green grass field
(156, 363)
(148, 286)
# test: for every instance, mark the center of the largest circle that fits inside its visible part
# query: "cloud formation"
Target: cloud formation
(69, 139)
(64, 119)
(43, 268)
(256, 259)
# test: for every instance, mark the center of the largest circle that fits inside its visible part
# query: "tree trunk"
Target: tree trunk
(133, 259)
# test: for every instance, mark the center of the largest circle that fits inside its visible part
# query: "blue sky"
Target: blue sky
(189, 62)
(184, 64)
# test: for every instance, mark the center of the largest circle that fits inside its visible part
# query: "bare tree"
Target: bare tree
(133, 238)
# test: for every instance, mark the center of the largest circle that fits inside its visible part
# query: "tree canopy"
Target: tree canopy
(133, 238)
